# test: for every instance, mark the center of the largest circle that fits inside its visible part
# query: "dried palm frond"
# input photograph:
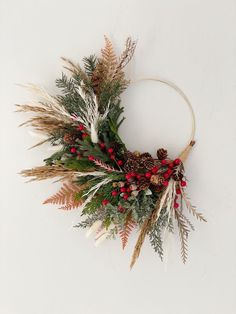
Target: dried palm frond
(75, 69)
(143, 232)
(48, 172)
(44, 123)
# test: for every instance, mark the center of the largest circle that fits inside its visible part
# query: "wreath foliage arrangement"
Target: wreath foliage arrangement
(115, 189)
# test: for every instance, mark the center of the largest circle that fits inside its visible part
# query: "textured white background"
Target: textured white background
(46, 266)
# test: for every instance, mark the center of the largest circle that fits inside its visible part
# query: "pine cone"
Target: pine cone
(143, 184)
(146, 155)
(162, 153)
(131, 165)
(69, 138)
(148, 163)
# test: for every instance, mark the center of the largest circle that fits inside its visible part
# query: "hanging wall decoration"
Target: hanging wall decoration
(115, 190)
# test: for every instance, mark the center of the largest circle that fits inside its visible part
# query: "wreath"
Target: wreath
(115, 189)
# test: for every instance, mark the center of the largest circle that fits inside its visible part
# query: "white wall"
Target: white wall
(46, 266)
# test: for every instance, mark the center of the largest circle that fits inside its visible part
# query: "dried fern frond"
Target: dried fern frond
(125, 230)
(183, 233)
(108, 59)
(66, 196)
(48, 172)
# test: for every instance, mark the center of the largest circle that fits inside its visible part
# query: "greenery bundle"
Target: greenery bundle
(116, 190)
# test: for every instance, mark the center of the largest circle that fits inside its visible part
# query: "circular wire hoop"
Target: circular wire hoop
(183, 155)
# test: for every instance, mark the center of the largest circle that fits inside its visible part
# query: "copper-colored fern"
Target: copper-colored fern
(125, 231)
(66, 197)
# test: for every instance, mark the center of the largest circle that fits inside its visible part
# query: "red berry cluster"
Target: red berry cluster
(82, 135)
(111, 153)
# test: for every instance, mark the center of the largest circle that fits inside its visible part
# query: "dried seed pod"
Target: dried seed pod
(154, 179)
(162, 154)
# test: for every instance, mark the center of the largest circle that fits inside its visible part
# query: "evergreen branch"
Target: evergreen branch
(183, 232)
(90, 64)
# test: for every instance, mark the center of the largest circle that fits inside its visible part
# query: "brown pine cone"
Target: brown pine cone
(143, 184)
(69, 138)
(148, 163)
(131, 165)
(145, 155)
(162, 153)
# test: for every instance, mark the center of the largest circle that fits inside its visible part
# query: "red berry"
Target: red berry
(123, 189)
(105, 202)
(177, 161)
(178, 191)
(114, 193)
(133, 174)
(84, 135)
(183, 183)
(91, 157)
(148, 174)
(73, 150)
(176, 205)
(171, 165)
(138, 176)
(125, 196)
(128, 190)
(110, 150)
(154, 169)
(166, 175)
(165, 183)
(164, 162)
(128, 176)
(120, 162)
(169, 171)
(81, 127)
(112, 156)
(102, 145)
